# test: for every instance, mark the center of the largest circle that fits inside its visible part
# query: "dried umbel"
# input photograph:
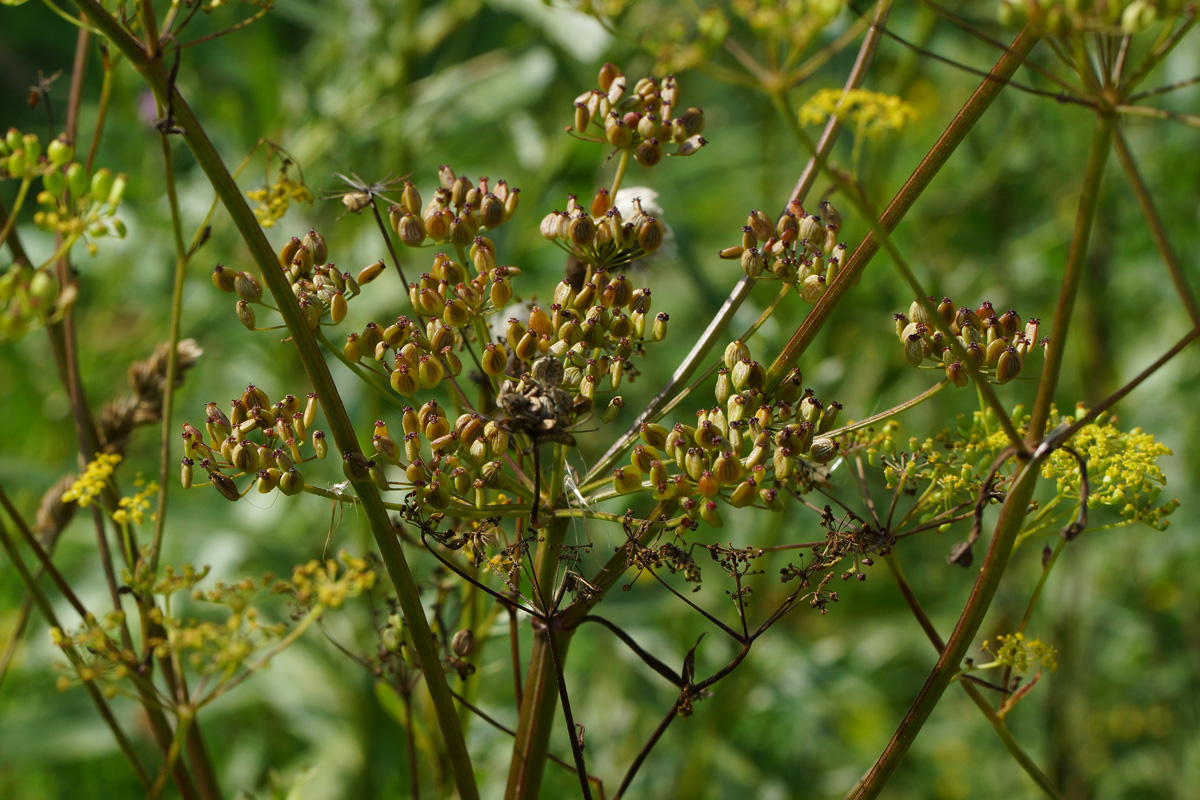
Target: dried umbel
(995, 344)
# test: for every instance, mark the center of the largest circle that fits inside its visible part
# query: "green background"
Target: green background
(385, 89)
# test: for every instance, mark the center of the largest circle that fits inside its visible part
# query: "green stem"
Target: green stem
(998, 725)
(1012, 515)
(539, 702)
(616, 183)
(1015, 508)
(1085, 217)
(155, 75)
(168, 400)
(43, 603)
(1158, 231)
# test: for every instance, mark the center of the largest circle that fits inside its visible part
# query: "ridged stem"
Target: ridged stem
(155, 75)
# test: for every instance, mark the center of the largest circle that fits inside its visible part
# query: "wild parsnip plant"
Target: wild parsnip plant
(473, 478)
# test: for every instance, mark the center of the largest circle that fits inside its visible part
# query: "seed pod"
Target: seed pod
(618, 134)
(812, 288)
(823, 450)
(690, 145)
(245, 313)
(386, 449)
(658, 330)
(707, 485)
(626, 479)
(914, 349)
(1008, 366)
(494, 359)
(225, 485)
(320, 446)
(404, 379)
(291, 482)
(338, 307)
(185, 472)
(410, 198)
(463, 643)
(649, 152)
(370, 273)
(247, 287)
(581, 231)
(267, 480)
(727, 469)
(957, 374)
(709, 512)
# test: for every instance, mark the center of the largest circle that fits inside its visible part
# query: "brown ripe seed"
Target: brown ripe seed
(648, 153)
(225, 485)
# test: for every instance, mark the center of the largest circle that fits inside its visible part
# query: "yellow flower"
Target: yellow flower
(871, 113)
(92, 481)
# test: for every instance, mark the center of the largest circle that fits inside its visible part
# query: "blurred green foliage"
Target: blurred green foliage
(386, 89)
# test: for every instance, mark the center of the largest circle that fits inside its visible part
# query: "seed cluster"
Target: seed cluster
(996, 344)
(640, 122)
(747, 450)
(320, 289)
(257, 438)
(459, 211)
(800, 250)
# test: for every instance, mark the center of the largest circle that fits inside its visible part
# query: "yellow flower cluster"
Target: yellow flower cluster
(317, 583)
(91, 482)
(1020, 653)
(871, 113)
(272, 201)
(133, 509)
(1123, 472)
